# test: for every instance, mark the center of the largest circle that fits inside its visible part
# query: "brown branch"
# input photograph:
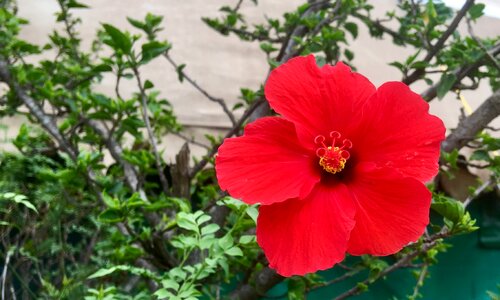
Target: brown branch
(36, 110)
(332, 17)
(493, 60)
(418, 73)
(264, 281)
(462, 72)
(479, 191)
(469, 127)
(238, 5)
(287, 51)
(219, 101)
(343, 277)
(4, 272)
(402, 262)
(116, 152)
(152, 139)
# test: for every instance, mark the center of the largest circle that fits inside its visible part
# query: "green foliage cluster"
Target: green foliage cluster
(73, 226)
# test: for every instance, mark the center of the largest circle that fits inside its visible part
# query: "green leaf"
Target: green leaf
(253, 213)
(476, 11)
(226, 242)
(320, 60)
(419, 64)
(102, 272)
(187, 221)
(110, 201)
(153, 20)
(445, 84)
(296, 288)
(210, 228)
(9, 195)
(234, 251)
(480, 155)
(431, 10)
(136, 23)
(19, 199)
(148, 85)
(170, 284)
(177, 273)
(180, 72)
(267, 47)
(120, 40)
(398, 65)
(449, 208)
(102, 68)
(207, 241)
(203, 218)
(153, 49)
(246, 239)
(273, 63)
(164, 294)
(348, 54)
(111, 215)
(74, 4)
(451, 157)
(352, 28)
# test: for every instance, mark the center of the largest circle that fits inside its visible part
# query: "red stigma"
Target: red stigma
(334, 157)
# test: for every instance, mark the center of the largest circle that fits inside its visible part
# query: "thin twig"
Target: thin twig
(238, 5)
(4, 272)
(478, 192)
(116, 152)
(343, 277)
(420, 281)
(418, 73)
(414, 9)
(191, 140)
(68, 25)
(220, 101)
(332, 17)
(117, 84)
(493, 60)
(430, 93)
(403, 261)
(152, 139)
(287, 51)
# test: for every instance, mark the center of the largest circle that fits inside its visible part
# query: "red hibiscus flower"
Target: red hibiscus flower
(342, 170)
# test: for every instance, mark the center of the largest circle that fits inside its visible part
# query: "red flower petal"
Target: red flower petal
(398, 132)
(301, 236)
(317, 100)
(392, 211)
(267, 164)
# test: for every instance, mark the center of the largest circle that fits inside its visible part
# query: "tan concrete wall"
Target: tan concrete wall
(222, 64)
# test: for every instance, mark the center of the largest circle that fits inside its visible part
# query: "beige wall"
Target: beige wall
(222, 64)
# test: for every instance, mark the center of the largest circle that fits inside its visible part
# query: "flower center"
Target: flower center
(332, 157)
